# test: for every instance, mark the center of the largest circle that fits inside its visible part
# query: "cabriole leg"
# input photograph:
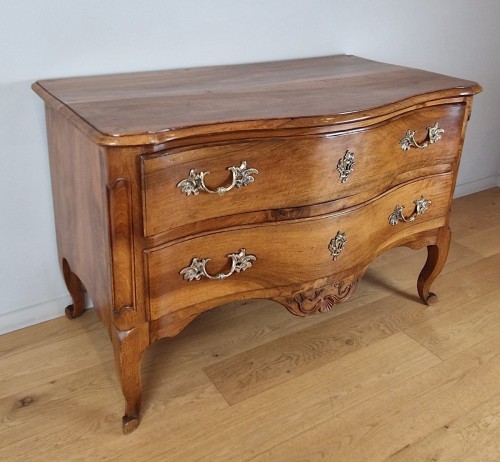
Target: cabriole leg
(76, 290)
(436, 258)
(129, 347)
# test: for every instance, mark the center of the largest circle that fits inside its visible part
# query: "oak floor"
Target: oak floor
(380, 378)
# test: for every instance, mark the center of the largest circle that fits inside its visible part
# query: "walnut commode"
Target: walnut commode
(177, 191)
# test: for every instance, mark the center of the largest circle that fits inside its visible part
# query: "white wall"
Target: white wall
(59, 38)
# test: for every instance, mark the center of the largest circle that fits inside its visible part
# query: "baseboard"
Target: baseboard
(471, 187)
(34, 314)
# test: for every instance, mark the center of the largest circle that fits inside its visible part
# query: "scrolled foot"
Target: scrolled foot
(129, 423)
(69, 311)
(129, 347)
(432, 299)
(436, 258)
(76, 291)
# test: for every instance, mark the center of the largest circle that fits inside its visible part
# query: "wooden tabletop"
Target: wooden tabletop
(152, 107)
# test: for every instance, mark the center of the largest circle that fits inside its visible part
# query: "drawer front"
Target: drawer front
(295, 171)
(288, 253)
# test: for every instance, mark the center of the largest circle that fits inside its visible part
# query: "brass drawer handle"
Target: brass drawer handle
(242, 176)
(345, 166)
(337, 244)
(421, 206)
(196, 270)
(433, 135)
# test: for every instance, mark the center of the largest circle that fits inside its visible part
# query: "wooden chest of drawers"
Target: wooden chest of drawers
(177, 191)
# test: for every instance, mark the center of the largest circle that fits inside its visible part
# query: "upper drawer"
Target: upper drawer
(295, 171)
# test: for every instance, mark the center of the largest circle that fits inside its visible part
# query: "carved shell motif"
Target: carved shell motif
(319, 300)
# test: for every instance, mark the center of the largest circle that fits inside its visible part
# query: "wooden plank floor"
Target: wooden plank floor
(381, 378)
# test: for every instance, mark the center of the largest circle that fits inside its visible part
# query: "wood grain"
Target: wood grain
(149, 108)
(166, 207)
(485, 242)
(282, 249)
(120, 145)
(403, 414)
(476, 212)
(459, 329)
(276, 362)
(472, 437)
(82, 230)
(391, 400)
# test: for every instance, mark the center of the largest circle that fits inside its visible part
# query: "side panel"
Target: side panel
(78, 168)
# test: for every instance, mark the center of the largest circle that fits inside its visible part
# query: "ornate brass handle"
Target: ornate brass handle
(337, 244)
(242, 176)
(433, 135)
(421, 206)
(196, 270)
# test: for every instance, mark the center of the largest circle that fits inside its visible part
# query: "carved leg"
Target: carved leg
(129, 347)
(76, 291)
(436, 258)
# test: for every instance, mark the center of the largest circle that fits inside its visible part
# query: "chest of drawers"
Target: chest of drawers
(177, 191)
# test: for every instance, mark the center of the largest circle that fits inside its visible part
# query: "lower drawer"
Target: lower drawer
(285, 253)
